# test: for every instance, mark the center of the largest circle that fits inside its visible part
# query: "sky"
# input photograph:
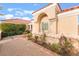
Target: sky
(24, 10)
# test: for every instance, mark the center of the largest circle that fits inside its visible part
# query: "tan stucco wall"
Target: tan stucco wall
(53, 27)
(35, 29)
(68, 23)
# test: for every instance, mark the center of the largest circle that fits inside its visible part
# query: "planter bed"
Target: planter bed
(58, 48)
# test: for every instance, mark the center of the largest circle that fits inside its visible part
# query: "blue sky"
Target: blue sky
(24, 10)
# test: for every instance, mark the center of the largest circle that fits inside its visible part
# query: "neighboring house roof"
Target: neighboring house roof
(47, 6)
(16, 21)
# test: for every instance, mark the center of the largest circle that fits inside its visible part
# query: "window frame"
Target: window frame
(44, 26)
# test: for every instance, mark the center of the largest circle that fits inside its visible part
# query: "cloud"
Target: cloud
(23, 12)
(17, 17)
(8, 16)
(1, 17)
(35, 4)
(10, 9)
(26, 18)
(20, 13)
(28, 11)
(13, 9)
(11, 16)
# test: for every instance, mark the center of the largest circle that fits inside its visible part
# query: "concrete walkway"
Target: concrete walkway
(20, 46)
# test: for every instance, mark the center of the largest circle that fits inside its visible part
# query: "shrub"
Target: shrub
(55, 47)
(9, 29)
(66, 45)
(29, 35)
(36, 38)
(20, 28)
(27, 32)
(43, 38)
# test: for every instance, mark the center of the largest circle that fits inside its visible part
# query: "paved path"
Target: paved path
(20, 46)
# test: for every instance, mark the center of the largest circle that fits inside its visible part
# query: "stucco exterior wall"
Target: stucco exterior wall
(68, 22)
(53, 27)
(35, 29)
(67, 25)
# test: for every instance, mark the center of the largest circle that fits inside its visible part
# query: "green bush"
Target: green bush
(36, 38)
(27, 32)
(9, 29)
(29, 35)
(55, 47)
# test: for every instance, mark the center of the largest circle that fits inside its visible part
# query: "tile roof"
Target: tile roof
(69, 9)
(17, 21)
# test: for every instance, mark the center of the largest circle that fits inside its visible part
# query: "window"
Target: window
(30, 27)
(44, 26)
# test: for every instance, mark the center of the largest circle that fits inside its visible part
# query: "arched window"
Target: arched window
(42, 21)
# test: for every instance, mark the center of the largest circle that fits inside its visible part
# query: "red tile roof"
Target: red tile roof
(17, 21)
(69, 9)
